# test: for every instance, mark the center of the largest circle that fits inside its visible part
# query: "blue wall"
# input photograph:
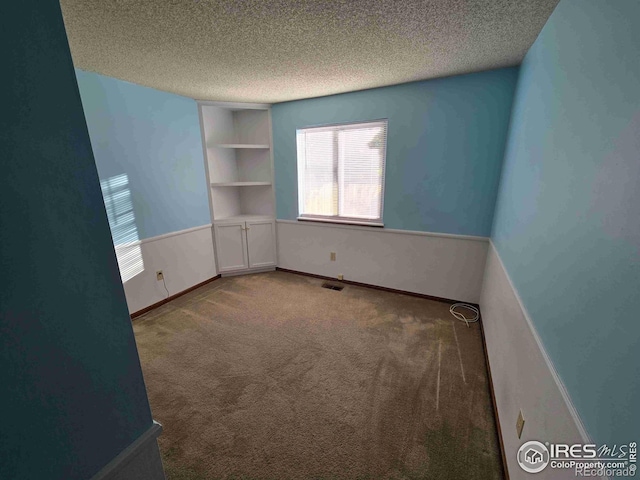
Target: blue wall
(445, 147)
(71, 387)
(154, 138)
(567, 225)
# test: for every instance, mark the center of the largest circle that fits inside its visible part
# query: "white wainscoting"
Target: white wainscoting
(185, 257)
(441, 265)
(523, 375)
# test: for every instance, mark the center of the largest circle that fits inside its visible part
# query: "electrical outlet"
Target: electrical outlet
(159, 275)
(333, 256)
(520, 424)
(340, 277)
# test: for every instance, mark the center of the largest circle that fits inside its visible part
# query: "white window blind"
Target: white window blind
(341, 172)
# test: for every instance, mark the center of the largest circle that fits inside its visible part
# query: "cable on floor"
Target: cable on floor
(460, 316)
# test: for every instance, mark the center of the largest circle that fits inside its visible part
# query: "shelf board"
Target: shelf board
(242, 145)
(239, 184)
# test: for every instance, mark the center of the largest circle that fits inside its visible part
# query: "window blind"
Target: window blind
(341, 171)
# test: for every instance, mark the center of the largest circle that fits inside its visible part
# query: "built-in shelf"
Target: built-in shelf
(239, 184)
(242, 145)
(238, 153)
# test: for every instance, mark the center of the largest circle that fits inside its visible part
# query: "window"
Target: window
(341, 172)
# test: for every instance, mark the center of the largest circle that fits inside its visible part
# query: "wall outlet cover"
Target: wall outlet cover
(333, 256)
(340, 277)
(159, 275)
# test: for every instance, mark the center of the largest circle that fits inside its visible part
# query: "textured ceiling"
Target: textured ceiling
(275, 50)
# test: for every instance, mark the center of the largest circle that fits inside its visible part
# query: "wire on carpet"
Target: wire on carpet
(460, 316)
(165, 287)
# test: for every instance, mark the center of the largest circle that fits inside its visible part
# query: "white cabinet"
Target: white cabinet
(239, 167)
(231, 246)
(261, 243)
(245, 245)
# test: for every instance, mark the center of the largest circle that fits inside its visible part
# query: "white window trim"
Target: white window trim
(343, 220)
(376, 223)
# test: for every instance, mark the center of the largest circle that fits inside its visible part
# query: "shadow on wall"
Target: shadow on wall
(122, 221)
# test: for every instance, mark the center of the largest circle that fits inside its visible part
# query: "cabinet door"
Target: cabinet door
(261, 239)
(231, 246)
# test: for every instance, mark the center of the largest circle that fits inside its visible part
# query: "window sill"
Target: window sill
(339, 221)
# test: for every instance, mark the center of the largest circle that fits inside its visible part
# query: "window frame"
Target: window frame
(338, 219)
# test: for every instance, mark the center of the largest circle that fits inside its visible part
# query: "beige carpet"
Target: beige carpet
(270, 376)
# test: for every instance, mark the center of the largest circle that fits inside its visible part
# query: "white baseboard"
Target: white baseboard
(523, 375)
(140, 460)
(440, 265)
(185, 258)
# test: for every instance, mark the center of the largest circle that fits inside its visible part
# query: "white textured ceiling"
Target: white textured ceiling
(276, 50)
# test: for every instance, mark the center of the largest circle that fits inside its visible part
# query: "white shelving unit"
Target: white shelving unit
(239, 168)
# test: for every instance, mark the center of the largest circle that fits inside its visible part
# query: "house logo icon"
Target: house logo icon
(533, 457)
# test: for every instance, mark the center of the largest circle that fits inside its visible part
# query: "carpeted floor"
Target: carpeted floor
(270, 376)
